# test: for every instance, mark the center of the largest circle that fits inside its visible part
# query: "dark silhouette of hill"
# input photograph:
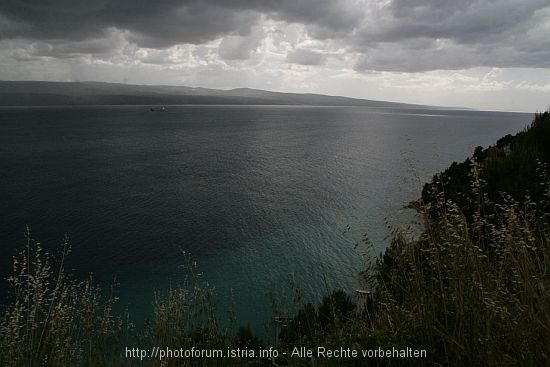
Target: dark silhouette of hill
(39, 93)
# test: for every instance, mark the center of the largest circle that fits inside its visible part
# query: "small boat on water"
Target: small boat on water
(160, 108)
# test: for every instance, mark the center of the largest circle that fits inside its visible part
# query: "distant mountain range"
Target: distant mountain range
(39, 93)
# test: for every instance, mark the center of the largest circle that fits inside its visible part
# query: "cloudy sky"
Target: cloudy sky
(486, 54)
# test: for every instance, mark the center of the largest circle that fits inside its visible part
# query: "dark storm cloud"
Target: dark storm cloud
(421, 35)
(165, 22)
(54, 19)
(400, 35)
(466, 21)
(181, 23)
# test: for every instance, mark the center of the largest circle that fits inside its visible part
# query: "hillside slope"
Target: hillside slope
(38, 93)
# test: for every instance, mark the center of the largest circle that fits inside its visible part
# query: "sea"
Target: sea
(268, 206)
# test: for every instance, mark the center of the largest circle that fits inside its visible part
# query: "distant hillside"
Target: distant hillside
(34, 93)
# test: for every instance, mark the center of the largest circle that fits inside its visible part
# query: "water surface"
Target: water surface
(262, 197)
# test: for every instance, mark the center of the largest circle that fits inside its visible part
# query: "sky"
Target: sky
(483, 54)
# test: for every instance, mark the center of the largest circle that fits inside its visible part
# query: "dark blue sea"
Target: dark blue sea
(265, 199)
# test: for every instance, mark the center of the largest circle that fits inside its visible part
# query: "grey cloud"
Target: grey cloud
(410, 59)
(186, 24)
(112, 43)
(465, 21)
(163, 23)
(328, 18)
(337, 16)
(54, 19)
(402, 35)
(306, 57)
(239, 47)
(449, 56)
(421, 35)
(9, 26)
(156, 59)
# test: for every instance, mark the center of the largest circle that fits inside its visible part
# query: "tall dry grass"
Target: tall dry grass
(472, 291)
(52, 319)
(185, 317)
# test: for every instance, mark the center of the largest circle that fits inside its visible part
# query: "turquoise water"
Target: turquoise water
(264, 198)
